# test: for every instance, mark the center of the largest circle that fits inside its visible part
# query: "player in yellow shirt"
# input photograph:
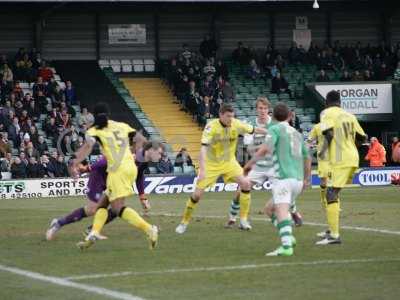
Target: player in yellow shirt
(115, 139)
(316, 135)
(218, 158)
(341, 130)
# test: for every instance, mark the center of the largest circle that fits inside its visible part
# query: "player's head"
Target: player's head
(226, 114)
(101, 113)
(262, 107)
(153, 151)
(281, 112)
(333, 98)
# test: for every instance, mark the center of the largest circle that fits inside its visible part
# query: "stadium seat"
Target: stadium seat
(152, 170)
(138, 65)
(178, 170)
(149, 65)
(126, 65)
(188, 169)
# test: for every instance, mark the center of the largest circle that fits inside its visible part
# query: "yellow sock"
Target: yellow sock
(99, 219)
(132, 217)
(323, 196)
(244, 200)
(332, 213)
(187, 214)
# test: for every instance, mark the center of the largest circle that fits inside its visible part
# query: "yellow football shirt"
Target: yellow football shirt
(222, 140)
(114, 142)
(342, 152)
(316, 134)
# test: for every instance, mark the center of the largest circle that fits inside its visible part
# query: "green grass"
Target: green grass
(206, 244)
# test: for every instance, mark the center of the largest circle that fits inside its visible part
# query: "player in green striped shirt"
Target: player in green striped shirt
(263, 169)
(292, 173)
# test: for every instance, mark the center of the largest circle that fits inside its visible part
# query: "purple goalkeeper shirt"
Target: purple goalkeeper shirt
(97, 180)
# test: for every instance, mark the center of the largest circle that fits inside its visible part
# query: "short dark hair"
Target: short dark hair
(281, 112)
(226, 108)
(333, 97)
(101, 113)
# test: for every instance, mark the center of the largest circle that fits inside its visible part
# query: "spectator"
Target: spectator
(13, 130)
(61, 169)
(383, 72)
(395, 147)
(36, 60)
(241, 55)
(33, 168)
(293, 54)
(396, 74)
(5, 165)
(192, 98)
(23, 158)
(164, 166)
(221, 70)
(338, 62)
(280, 85)
(45, 72)
(208, 47)
(322, 77)
(209, 69)
(186, 53)
(18, 169)
(8, 76)
(294, 121)
(33, 111)
(346, 76)
(376, 154)
(41, 146)
(44, 170)
(39, 86)
(24, 68)
(204, 111)
(70, 94)
(68, 108)
(51, 128)
(357, 76)
(30, 151)
(368, 76)
(18, 91)
(4, 145)
(253, 70)
(228, 93)
(183, 158)
(66, 120)
(85, 117)
(57, 95)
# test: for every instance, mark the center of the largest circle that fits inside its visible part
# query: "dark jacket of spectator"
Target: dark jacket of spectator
(183, 158)
(279, 84)
(18, 169)
(227, 92)
(241, 54)
(70, 94)
(34, 170)
(322, 77)
(208, 47)
(164, 166)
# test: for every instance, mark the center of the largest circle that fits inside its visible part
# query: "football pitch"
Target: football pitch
(208, 261)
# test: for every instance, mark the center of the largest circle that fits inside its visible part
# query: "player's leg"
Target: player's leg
(76, 215)
(132, 217)
(332, 214)
(256, 177)
(140, 187)
(339, 177)
(323, 188)
(245, 201)
(210, 178)
(104, 203)
(189, 208)
(284, 194)
(233, 210)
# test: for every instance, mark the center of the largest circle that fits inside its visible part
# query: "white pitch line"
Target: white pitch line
(64, 282)
(347, 227)
(238, 267)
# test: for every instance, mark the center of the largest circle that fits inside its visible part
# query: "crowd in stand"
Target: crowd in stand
(200, 82)
(20, 116)
(355, 62)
